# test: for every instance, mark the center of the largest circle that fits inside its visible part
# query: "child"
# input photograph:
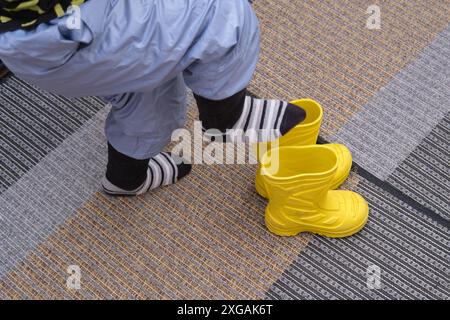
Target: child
(139, 55)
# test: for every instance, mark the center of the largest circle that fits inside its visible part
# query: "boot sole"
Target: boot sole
(283, 232)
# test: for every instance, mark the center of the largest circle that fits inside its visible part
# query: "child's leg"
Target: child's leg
(258, 119)
(129, 176)
(226, 57)
(138, 127)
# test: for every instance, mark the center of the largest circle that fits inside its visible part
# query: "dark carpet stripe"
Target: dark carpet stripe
(410, 248)
(401, 196)
(33, 124)
(424, 175)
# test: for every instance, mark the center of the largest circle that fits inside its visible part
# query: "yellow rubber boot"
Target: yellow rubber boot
(306, 133)
(300, 199)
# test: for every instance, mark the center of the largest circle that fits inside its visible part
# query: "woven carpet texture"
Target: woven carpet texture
(386, 96)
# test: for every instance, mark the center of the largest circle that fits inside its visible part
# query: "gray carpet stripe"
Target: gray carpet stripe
(425, 173)
(410, 248)
(338, 289)
(50, 192)
(34, 123)
(329, 262)
(401, 253)
(401, 114)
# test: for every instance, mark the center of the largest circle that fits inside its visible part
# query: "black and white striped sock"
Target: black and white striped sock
(162, 170)
(265, 120)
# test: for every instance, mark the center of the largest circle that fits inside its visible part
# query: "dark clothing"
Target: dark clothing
(26, 14)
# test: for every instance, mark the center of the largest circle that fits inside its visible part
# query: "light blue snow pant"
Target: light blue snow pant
(139, 54)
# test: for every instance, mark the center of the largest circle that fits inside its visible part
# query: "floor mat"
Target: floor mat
(190, 240)
(323, 50)
(385, 94)
(408, 248)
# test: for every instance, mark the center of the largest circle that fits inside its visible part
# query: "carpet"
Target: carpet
(386, 96)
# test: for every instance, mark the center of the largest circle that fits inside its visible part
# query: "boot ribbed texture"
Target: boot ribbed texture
(299, 193)
(305, 134)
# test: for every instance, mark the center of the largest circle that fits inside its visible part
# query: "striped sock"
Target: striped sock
(265, 120)
(162, 171)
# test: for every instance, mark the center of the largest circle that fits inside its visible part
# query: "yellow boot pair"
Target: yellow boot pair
(300, 191)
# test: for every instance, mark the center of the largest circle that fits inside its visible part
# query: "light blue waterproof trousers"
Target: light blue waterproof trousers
(140, 55)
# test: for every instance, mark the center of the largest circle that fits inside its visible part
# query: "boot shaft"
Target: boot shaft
(305, 133)
(298, 176)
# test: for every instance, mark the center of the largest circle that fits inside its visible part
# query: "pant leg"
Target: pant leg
(226, 54)
(140, 125)
(219, 76)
